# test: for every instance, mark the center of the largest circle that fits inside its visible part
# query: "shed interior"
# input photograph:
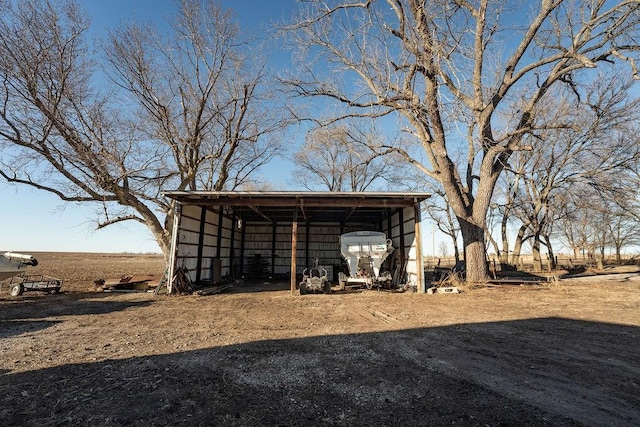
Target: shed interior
(226, 236)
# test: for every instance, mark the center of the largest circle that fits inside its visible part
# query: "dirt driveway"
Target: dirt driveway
(561, 354)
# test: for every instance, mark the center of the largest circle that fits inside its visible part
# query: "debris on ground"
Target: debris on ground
(129, 283)
(443, 290)
(211, 290)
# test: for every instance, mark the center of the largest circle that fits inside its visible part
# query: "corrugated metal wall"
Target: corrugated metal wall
(200, 245)
(273, 244)
(210, 246)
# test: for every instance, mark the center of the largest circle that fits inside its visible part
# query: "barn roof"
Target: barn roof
(279, 206)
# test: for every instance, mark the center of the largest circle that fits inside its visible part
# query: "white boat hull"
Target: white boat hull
(13, 264)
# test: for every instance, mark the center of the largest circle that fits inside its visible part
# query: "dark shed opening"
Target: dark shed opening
(222, 236)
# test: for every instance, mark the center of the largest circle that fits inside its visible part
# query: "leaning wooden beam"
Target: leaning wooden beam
(348, 215)
(214, 289)
(256, 210)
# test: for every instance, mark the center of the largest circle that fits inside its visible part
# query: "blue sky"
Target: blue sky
(37, 221)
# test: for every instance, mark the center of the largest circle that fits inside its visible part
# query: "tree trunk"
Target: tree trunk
(494, 243)
(517, 247)
(552, 257)
(535, 249)
(504, 254)
(164, 241)
(456, 251)
(474, 252)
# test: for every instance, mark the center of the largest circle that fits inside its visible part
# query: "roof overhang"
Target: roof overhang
(278, 206)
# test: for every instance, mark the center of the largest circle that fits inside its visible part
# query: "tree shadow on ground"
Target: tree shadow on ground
(62, 305)
(548, 371)
(254, 286)
(17, 327)
(276, 286)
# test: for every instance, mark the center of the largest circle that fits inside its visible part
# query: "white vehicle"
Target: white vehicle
(315, 280)
(365, 251)
(12, 264)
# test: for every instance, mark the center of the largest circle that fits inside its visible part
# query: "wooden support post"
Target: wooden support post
(218, 243)
(219, 240)
(419, 261)
(306, 244)
(273, 249)
(294, 249)
(232, 254)
(203, 220)
(243, 236)
(403, 249)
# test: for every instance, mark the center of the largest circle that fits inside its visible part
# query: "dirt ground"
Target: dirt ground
(563, 353)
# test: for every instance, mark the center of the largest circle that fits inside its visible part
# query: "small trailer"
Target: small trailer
(34, 282)
(13, 264)
(12, 267)
(364, 252)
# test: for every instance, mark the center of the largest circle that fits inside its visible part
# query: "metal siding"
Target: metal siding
(225, 245)
(410, 245)
(190, 224)
(257, 242)
(212, 218)
(209, 252)
(324, 244)
(282, 259)
(190, 264)
(394, 235)
(189, 239)
(190, 211)
(188, 250)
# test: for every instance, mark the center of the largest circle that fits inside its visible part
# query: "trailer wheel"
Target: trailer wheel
(57, 285)
(16, 289)
(303, 288)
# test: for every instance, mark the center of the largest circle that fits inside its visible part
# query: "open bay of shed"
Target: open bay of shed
(222, 236)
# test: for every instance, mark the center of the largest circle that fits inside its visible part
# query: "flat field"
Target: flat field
(564, 353)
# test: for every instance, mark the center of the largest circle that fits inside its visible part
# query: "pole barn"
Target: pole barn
(225, 236)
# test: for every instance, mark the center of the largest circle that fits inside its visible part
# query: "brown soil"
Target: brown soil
(556, 354)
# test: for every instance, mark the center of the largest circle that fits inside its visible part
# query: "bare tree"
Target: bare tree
(345, 157)
(585, 227)
(444, 250)
(188, 111)
(623, 231)
(446, 65)
(440, 212)
(595, 221)
(508, 190)
(590, 144)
